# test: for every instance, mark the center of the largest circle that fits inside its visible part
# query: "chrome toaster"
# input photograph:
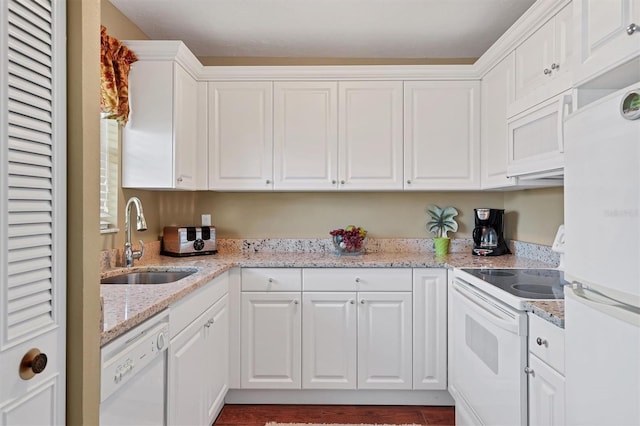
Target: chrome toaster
(181, 241)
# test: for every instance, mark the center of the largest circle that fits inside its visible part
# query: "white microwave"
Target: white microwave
(536, 139)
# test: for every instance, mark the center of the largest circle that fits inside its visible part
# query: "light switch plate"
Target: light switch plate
(206, 220)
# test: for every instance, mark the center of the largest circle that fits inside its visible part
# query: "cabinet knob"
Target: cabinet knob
(546, 71)
(357, 279)
(352, 301)
(268, 182)
(362, 301)
(542, 342)
(409, 182)
(295, 302)
(341, 182)
(333, 182)
(555, 66)
(180, 179)
(632, 28)
(529, 371)
(32, 363)
(271, 280)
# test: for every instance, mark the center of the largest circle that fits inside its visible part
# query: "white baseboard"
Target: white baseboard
(339, 397)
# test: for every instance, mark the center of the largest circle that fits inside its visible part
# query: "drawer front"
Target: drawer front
(271, 279)
(186, 310)
(547, 342)
(357, 279)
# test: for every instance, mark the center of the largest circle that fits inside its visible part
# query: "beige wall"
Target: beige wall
(83, 269)
(533, 215)
(313, 215)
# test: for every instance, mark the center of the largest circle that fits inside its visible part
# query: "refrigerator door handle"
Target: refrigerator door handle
(582, 291)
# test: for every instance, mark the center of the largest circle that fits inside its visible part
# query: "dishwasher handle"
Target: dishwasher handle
(490, 310)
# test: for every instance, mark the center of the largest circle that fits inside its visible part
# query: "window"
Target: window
(109, 137)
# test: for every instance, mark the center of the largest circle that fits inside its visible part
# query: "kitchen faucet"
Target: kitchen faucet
(141, 225)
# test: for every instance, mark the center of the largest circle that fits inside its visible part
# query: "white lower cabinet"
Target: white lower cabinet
(199, 356)
(329, 347)
(546, 373)
(270, 340)
(343, 328)
(429, 328)
(384, 340)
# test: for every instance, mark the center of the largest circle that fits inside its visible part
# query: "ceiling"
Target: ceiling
(327, 28)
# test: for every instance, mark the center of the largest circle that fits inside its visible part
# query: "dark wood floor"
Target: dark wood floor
(258, 415)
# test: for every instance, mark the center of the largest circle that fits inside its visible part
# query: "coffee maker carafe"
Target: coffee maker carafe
(488, 235)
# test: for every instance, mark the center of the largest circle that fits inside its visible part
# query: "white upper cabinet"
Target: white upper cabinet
(370, 135)
(606, 34)
(497, 93)
(240, 136)
(442, 135)
(544, 62)
(305, 131)
(164, 142)
(330, 135)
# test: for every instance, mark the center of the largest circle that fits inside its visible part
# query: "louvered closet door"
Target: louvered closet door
(32, 212)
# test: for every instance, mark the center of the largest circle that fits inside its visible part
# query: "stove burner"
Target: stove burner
(538, 289)
(524, 283)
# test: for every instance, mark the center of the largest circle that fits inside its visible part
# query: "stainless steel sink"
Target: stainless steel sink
(148, 277)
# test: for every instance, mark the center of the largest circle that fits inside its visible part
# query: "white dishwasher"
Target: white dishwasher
(134, 375)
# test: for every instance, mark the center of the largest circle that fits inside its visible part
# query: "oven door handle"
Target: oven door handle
(487, 309)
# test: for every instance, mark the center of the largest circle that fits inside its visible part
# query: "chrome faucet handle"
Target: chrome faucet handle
(137, 254)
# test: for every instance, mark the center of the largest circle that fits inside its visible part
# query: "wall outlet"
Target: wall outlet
(206, 220)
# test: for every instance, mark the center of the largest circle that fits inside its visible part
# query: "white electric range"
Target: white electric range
(488, 341)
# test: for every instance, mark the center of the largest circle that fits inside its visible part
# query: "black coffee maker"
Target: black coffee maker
(488, 235)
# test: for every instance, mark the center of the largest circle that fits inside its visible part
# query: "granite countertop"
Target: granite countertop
(550, 310)
(126, 306)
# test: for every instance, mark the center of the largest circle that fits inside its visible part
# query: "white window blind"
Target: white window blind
(28, 180)
(109, 136)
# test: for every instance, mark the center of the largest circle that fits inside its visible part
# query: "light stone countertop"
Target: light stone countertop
(550, 310)
(126, 306)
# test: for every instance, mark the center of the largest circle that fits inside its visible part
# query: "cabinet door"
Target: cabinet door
(190, 142)
(370, 135)
(564, 51)
(270, 341)
(216, 358)
(147, 138)
(603, 39)
(546, 394)
(429, 329)
(533, 63)
(441, 135)
(329, 344)
(305, 135)
(384, 340)
(497, 93)
(240, 135)
(188, 359)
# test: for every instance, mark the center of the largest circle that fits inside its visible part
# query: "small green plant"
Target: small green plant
(442, 220)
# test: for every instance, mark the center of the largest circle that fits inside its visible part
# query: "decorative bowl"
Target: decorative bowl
(354, 247)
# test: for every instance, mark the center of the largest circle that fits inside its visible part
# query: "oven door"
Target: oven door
(488, 345)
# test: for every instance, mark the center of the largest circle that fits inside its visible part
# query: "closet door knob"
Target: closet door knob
(33, 362)
(632, 28)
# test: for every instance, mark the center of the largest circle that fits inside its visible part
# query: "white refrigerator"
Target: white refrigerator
(602, 261)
